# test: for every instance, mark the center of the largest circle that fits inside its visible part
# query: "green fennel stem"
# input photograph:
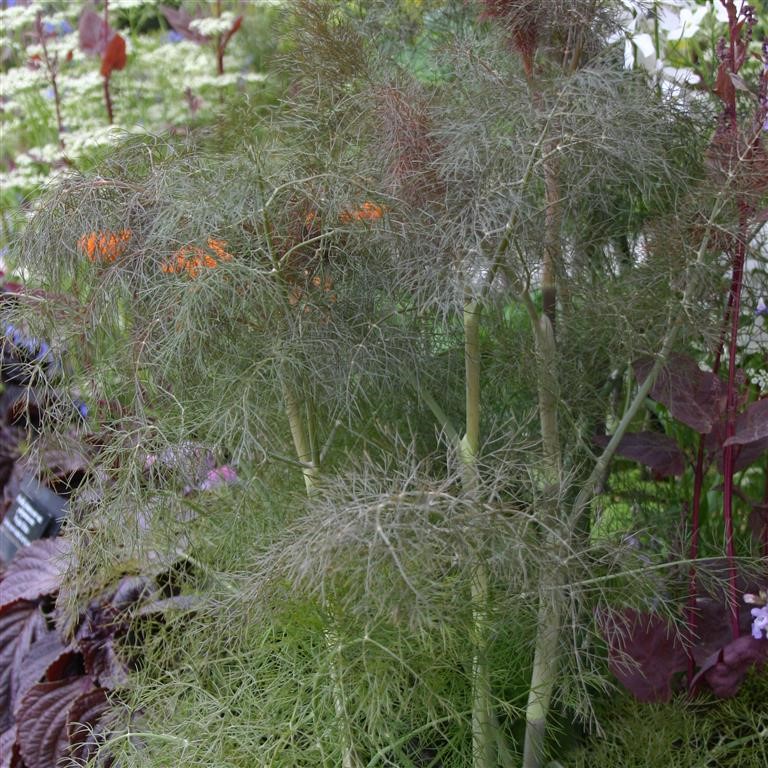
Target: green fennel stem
(545, 658)
(483, 733)
(305, 454)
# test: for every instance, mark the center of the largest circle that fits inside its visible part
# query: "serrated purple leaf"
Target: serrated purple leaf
(35, 570)
(644, 653)
(693, 397)
(8, 748)
(658, 452)
(42, 718)
(45, 651)
(724, 671)
(20, 623)
(84, 714)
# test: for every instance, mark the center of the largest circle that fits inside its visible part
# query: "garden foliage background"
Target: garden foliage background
(403, 363)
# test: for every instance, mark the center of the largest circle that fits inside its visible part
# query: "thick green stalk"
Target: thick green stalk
(305, 454)
(545, 659)
(483, 732)
(300, 436)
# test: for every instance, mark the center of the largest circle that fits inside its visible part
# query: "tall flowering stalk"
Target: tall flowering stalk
(739, 162)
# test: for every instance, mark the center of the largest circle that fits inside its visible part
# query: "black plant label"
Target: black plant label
(35, 512)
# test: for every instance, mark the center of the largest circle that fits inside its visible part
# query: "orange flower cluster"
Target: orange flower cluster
(368, 211)
(104, 245)
(192, 258)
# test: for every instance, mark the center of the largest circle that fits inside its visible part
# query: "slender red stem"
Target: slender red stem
(698, 485)
(729, 454)
(219, 46)
(107, 96)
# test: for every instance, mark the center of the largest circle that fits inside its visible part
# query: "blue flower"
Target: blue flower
(174, 37)
(82, 408)
(760, 622)
(49, 29)
(65, 27)
(761, 308)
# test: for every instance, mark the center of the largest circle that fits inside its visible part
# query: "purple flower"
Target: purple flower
(82, 408)
(174, 37)
(65, 27)
(49, 29)
(761, 308)
(760, 622)
(220, 476)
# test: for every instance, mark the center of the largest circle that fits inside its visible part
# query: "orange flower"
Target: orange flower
(368, 211)
(104, 245)
(218, 246)
(192, 258)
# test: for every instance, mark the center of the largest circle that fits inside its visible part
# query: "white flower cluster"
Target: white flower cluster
(214, 25)
(17, 17)
(650, 32)
(127, 5)
(759, 377)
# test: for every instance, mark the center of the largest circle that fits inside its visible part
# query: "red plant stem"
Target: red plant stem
(219, 46)
(729, 452)
(108, 101)
(107, 96)
(698, 484)
(764, 512)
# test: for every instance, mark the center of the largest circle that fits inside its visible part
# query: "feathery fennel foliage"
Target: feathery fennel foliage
(316, 299)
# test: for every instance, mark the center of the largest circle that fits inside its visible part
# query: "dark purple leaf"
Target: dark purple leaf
(65, 463)
(130, 590)
(694, 397)
(20, 623)
(179, 19)
(40, 656)
(749, 453)
(713, 628)
(758, 523)
(644, 653)
(35, 570)
(103, 662)
(84, 713)
(8, 747)
(657, 451)
(745, 454)
(94, 35)
(751, 425)
(42, 719)
(103, 623)
(725, 670)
